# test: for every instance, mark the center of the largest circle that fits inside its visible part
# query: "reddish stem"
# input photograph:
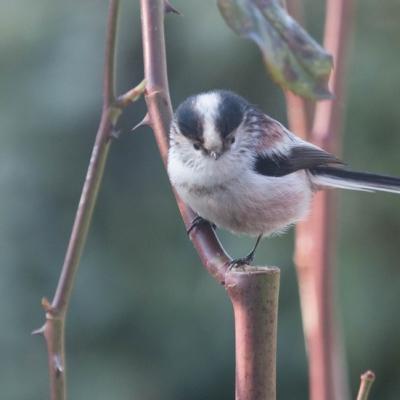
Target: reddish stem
(367, 379)
(159, 109)
(254, 295)
(54, 327)
(315, 238)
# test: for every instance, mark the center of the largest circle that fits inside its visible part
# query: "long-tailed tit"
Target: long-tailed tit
(245, 172)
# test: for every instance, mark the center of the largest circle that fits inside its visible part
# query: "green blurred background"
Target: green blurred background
(146, 320)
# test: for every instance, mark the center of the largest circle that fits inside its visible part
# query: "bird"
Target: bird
(243, 171)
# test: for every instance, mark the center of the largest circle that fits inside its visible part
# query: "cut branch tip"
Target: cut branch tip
(367, 379)
(369, 376)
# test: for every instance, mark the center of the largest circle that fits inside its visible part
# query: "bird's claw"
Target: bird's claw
(240, 262)
(197, 221)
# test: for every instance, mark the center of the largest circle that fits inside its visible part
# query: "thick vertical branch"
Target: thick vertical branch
(315, 238)
(254, 295)
(254, 292)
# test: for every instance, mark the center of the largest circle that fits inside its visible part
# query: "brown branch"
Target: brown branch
(159, 108)
(254, 295)
(54, 327)
(253, 292)
(367, 379)
(315, 237)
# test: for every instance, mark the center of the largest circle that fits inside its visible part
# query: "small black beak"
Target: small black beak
(215, 155)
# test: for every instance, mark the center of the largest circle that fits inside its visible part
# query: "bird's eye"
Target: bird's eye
(196, 146)
(232, 140)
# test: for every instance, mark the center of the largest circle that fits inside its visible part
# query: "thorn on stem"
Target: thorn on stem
(58, 365)
(144, 122)
(170, 9)
(115, 134)
(39, 331)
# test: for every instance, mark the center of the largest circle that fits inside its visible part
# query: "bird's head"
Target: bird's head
(207, 124)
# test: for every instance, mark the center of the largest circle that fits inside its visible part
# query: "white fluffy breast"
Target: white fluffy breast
(234, 197)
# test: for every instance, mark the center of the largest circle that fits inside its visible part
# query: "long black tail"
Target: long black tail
(345, 179)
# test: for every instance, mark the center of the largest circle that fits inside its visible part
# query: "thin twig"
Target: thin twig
(314, 238)
(254, 291)
(54, 327)
(131, 95)
(94, 174)
(367, 379)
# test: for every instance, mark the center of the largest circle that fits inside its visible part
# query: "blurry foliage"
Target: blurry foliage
(146, 320)
(294, 59)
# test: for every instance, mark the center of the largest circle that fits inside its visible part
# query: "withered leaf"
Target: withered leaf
(294, 59)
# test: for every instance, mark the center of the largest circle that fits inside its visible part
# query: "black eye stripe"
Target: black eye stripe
(192, 128)
(189, 121)
(228, 116)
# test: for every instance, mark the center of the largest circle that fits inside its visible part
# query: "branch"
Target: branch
(54, 327)
(254, 291)
(159, 107)
(367, 379)
(314, 238)
(254, 295)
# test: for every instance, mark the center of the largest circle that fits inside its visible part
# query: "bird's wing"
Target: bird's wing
(279, 151)
(297, 156)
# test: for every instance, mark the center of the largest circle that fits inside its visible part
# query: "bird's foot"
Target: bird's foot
(239, 262)
(197, 221)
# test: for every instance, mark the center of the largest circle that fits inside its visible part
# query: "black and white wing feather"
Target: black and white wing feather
(290, 154)
(301, 157)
